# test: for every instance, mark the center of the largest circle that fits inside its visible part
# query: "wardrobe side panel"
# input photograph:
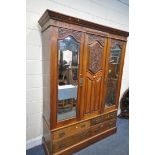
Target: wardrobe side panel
(47, 138)
(46, 58)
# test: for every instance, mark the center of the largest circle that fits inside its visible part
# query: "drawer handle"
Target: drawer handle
(101, 126)
(61, 146)
(98, 120)
(97, 130)
(107, 116)
(83, 125)
(112, 114)
(111, 124)
(83, 135)
(61, 134)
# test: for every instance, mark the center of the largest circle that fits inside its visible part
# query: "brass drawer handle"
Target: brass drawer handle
(111, 124)
(97, 120)
(84, 135)
(97, 130)
(112, 114)
(61, 134)
(61, 146)
(101, 126)
(107, 116)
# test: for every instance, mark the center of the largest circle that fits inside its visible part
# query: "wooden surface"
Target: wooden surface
(93, 73)
(106, 116)
(83, 138)
(74, 148)
(47, 137)
(73, 20)
(110, 44)
(65, 132)
(46, 47)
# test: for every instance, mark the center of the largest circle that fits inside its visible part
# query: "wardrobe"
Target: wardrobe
(82, 65)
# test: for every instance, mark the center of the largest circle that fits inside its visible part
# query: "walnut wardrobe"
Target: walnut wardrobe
(82, 72)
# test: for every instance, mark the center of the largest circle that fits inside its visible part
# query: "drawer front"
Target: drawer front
(61, 144)
(63, 133)
(103, 118)
(66, 142)
(110, 115)
(103, 127)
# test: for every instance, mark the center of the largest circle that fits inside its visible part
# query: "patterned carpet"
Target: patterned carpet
(117, 144)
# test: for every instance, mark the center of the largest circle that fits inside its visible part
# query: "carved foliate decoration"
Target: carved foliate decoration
(65, 32)
(95, 58)
(92, 38)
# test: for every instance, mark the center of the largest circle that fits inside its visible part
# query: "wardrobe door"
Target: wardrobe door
(69, 68)
(114, 66)
(93, 75)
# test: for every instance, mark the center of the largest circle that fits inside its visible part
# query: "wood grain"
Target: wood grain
(76, 21)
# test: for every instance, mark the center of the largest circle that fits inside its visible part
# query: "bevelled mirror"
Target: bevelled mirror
(68, 64)
(114, 64)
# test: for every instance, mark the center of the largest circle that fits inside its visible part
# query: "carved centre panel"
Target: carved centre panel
(95, 57)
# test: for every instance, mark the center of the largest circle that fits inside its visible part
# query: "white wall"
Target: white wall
(111, 13)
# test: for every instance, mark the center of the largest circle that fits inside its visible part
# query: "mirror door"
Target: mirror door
(68, 73)
(113, 73)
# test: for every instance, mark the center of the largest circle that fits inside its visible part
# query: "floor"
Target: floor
(117, 144)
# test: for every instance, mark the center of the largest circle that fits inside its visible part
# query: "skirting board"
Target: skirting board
(118, 112)
(33, 142)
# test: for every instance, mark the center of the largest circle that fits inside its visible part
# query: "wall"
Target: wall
(111, 13)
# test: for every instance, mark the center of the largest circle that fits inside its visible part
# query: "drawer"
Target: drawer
(103, 118)
(110, 115)
(97, 120)
(65, 142)
(103, 127)
(68, 131)
(68, 141)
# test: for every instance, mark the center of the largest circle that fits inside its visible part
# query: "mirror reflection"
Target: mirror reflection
(68, 62)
